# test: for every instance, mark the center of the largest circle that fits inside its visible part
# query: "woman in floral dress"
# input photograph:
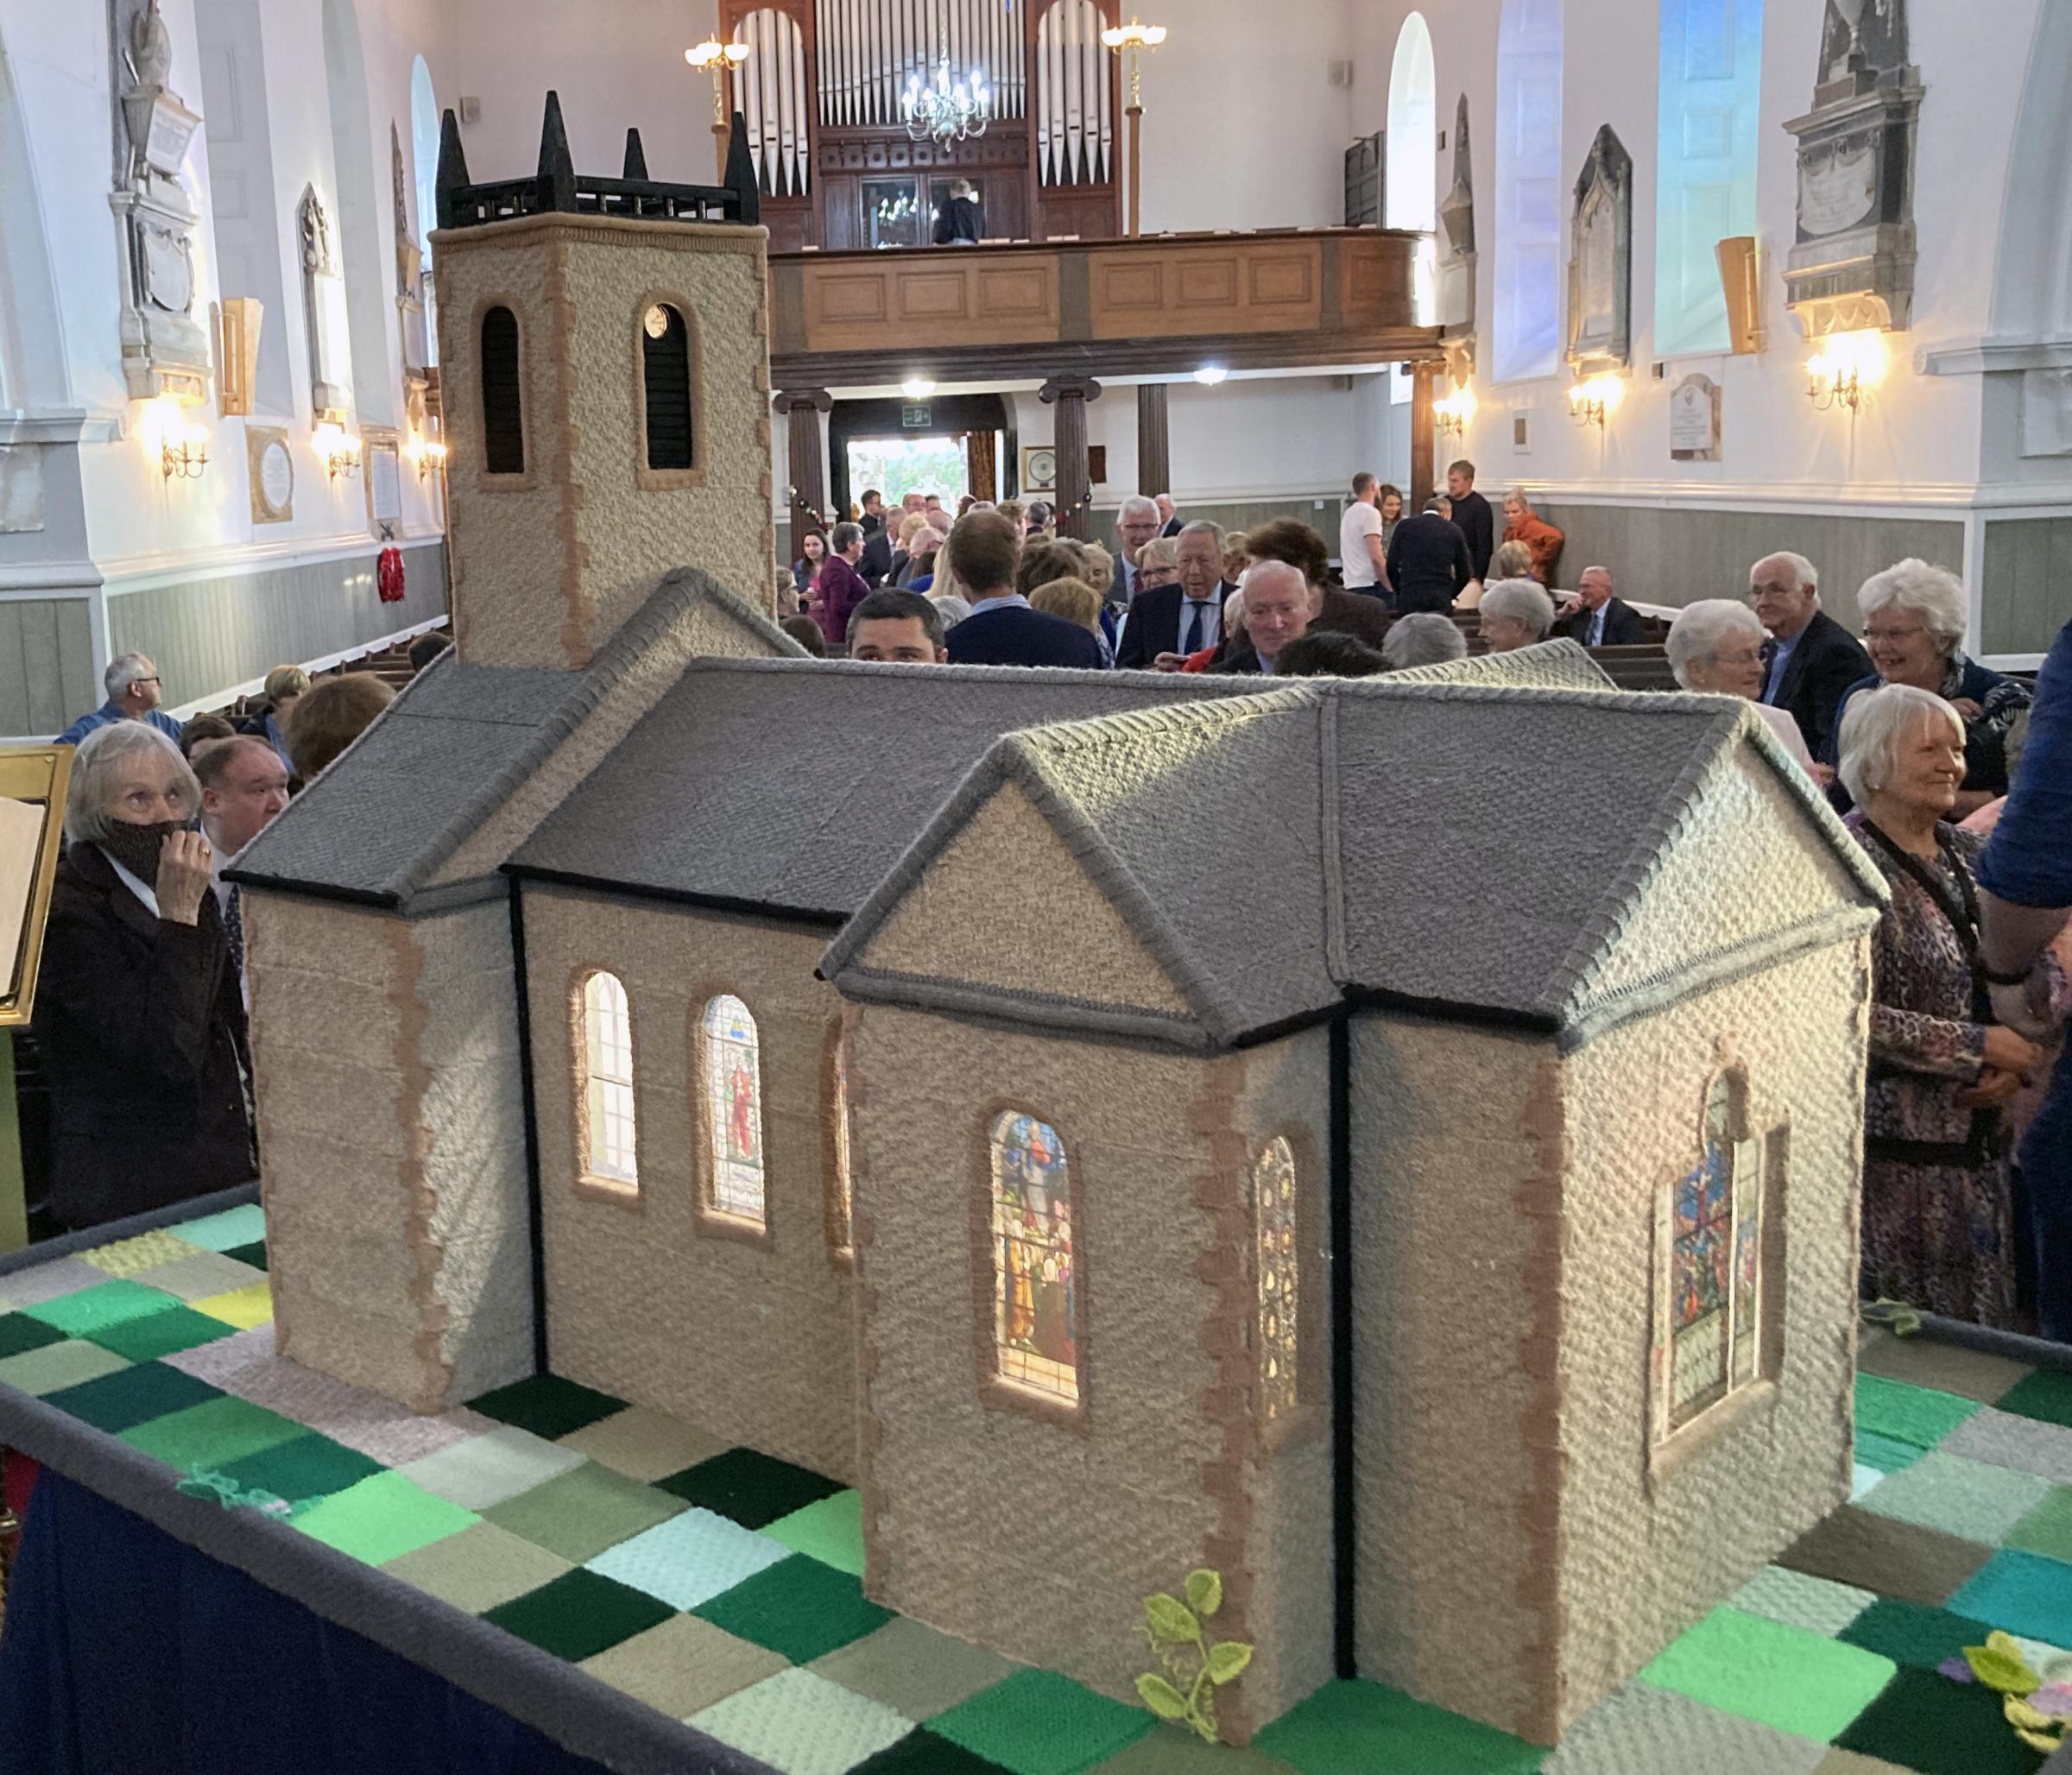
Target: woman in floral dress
(1937, 1217)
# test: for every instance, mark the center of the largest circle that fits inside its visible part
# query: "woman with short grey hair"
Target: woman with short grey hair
(1516, 612)
(138, 1010)
(1937, 1223)
(1423, 638)
(1715, 647)
(1913, 628)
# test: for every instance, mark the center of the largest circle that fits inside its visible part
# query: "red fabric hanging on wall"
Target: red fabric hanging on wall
(388, 575)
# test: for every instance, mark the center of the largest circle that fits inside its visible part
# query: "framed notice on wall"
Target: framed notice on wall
(32, 780)
(1038, 468)
(382, 453)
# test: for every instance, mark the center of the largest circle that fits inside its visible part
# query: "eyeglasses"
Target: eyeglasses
(1893, 634)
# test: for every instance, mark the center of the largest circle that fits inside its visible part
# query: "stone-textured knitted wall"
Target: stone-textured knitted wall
(1037, 1536)
(386, 1071)
(1456, 1202)
(548, 563)
(752, 1341)
(1642, 1559)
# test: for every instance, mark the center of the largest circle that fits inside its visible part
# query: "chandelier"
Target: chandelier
(947, 110)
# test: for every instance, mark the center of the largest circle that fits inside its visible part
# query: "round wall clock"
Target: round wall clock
(1039, 470)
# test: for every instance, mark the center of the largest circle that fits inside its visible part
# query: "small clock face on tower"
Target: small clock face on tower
(657, 323)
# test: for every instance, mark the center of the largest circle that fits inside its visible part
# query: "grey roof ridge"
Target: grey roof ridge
(679, 591)
(1337, 959)
(1590, 954)
(1016, 1006)
(948, 674)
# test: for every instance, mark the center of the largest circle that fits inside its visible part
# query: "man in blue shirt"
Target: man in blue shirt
(2025, 876)
(1003, 629)
(134, 694)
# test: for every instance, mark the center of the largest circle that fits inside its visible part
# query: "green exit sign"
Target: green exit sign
(915, 416)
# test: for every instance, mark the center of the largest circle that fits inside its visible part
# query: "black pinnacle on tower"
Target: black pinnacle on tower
(557, 186)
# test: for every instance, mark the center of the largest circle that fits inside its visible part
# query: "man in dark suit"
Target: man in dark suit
(1428, 562)
(1168, 623)
(1358, 614)
(1811, 658)
(1169, 516)
(1472, 513)
(1001, 630)
(876, 560)
(1136, 523)
(1601, 620)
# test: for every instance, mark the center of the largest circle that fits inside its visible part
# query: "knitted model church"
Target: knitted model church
(1394, 1143)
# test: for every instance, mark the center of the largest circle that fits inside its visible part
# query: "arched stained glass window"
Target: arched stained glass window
(843, 1201)
(1035, 1328)
(734, 1098)
(1279, 1296)
(1711, 82)
(502, 396)
(609, 1148)
(666, 386)
(1529, 187)
(1712, 1333)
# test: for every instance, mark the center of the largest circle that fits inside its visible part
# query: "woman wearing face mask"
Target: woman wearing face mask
(1913, 629)
(138, 1009)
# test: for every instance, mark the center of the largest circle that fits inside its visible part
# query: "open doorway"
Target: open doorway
(931, 463)
(950, 446)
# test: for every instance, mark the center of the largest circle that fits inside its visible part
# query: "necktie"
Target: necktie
(1196, 619)
(1597, 628)
(233, 925)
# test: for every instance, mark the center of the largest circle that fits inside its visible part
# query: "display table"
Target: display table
(232, 1563)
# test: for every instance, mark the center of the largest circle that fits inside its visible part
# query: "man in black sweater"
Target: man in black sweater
(1428, 562)
(1472, 513)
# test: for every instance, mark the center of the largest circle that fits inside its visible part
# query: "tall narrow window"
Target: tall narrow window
(1711, 82)
(842, 1206)
(666, 373)
(1411, 169)
(1529, 182)
(608, 1118)
(1708, 1332)
(502, 411)
(1035, 1328)
(734, 1098)
(1279, 1299)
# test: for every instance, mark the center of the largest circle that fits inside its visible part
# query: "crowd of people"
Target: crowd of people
(1956, 781)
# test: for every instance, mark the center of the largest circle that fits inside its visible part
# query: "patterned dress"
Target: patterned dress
(1937, 1213)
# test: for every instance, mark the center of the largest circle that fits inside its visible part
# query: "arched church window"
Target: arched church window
(1035, 1296)
(1711, 86)
(608, 1128)
(1529, 184)
(1411, 170)
(1279, 1296)
(502, 400)
(666, 376)
(840, 1204)
(733, 1077)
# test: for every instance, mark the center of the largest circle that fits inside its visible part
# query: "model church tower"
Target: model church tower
(603, 346)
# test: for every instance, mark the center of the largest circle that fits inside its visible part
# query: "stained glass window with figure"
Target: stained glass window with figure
(733, 1093)
(1280, 1301)
(1035, 1331)
(1715, 1282)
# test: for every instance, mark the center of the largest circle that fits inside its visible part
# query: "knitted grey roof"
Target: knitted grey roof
(791, 787)
(1548, 665)
(449, 751)
(1469, 850)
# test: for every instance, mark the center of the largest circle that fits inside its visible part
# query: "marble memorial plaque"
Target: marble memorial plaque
(1694, 420)
(273, 474)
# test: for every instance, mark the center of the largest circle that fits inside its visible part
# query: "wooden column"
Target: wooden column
(1422, 376)
(1154, 440)
(803, 408)
(1069, 395)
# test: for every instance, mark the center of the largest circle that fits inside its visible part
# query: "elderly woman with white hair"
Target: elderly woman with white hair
(1516, 612)
(1715, 647)
(1423, 638)
(138, 1010)
(1913, 629)
(1937, 1208)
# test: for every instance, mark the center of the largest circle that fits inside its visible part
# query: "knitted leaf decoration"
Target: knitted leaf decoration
(1194, 1668)
(1999, 1663)
(1171, 1620)
(1204, 1591)
(1161, 1697)
(1227, 1661)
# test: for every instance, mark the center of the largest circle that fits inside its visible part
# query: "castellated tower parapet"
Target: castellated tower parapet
(604, 364)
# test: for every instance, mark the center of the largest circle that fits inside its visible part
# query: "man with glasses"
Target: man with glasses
(134, 694)
(1811, 658)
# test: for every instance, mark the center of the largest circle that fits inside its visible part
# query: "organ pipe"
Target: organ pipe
(868, 48)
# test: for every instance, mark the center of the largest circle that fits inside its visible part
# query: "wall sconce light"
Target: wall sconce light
(427, 453)
(1209, 375)
(1591, 402)
(1453, 415)
(1846, 368)
(180, 446)
(338, 448)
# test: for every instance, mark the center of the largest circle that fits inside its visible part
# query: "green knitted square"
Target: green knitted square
(156, 1335)
(1036, 1722)
(1885, 1453)
(383, 1518)
(2045, 1395)
(831, 1531)
(211, 1435)
(1362, 1729)
(94, 1310)
(2048, 1528)
(547, 1406)
(1930, 1724)
(579, 1614)
(132, 1396)
(1764, 1670)
(70, 1363)
(1906, 1413)
(19, 1334)
(302, 1468)
(583, 1511)
(254, 1254)
(753, 1490)
(1910, 1634)
(799, 1606)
